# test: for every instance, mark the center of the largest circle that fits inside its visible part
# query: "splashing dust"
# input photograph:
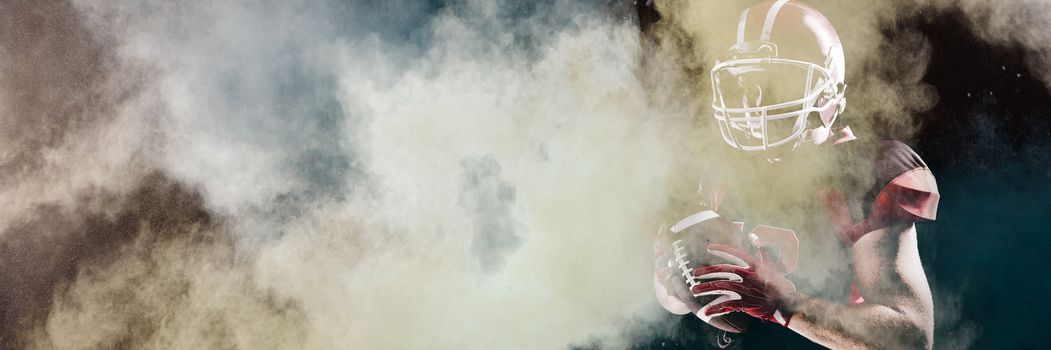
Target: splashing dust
(401, 175)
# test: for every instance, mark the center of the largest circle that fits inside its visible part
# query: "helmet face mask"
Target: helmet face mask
(763, 94)
(762, 103)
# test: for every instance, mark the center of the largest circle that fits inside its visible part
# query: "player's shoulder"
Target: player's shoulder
(905, 188)
(895, 158)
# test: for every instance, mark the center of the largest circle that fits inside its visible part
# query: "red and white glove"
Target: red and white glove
(752, 285)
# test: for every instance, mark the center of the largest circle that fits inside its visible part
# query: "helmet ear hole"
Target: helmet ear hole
(828, 94)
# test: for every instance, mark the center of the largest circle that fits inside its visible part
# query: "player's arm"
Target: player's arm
(898, 312)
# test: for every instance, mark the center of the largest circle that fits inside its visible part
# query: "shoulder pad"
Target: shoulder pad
(912, 196)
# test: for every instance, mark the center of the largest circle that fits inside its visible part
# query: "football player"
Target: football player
(777, 95)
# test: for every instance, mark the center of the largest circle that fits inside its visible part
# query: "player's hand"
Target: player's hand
(661, 270)
(754, 285)
(662, 278)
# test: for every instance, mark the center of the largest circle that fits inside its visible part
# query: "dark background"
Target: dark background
(988, 142)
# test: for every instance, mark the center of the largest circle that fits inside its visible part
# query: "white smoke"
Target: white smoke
(491, 181)
(483, 174)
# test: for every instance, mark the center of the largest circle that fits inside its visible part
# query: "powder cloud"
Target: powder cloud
(471, 174)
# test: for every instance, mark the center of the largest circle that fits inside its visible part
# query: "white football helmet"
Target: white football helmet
(786, 65)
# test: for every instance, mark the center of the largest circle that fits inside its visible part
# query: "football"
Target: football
(688, 240)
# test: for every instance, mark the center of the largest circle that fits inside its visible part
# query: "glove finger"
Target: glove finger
(662, 254)
(728, 272)
(662, 235)
(726, 276)
(659, 247)
(724, 308)
(718, 268)
(660, 262)
(717, 288)
(758, 247)
(663, 273)
(734, 255)
(660, 244)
